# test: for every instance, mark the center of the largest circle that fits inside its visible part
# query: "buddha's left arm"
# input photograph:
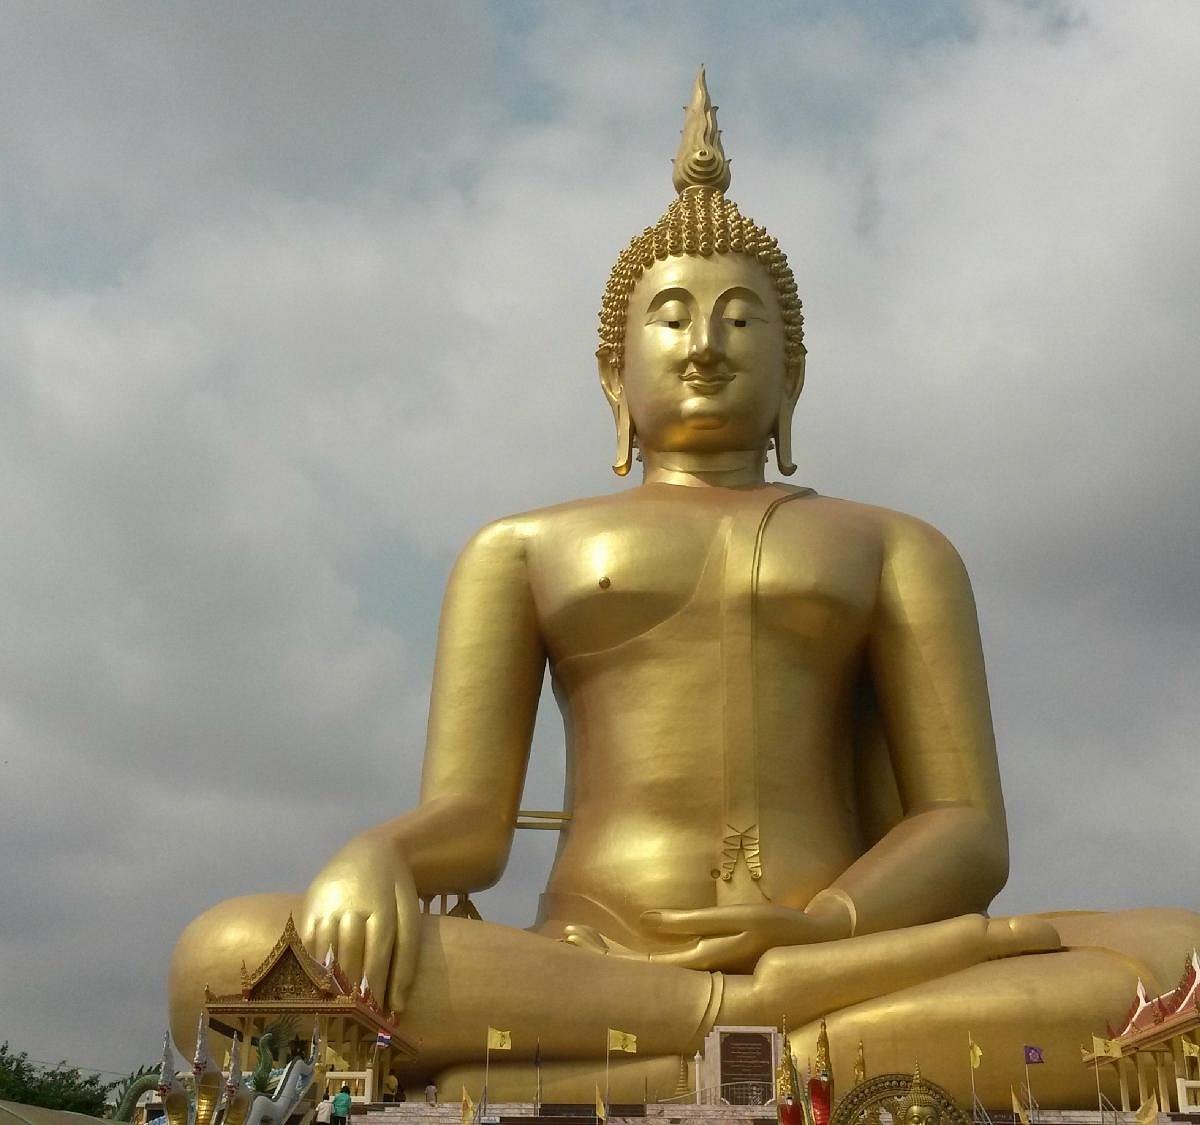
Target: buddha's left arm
(949, 854)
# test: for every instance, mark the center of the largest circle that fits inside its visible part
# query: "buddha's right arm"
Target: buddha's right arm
(487, 678)
(486, 683)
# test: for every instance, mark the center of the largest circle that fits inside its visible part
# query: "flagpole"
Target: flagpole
(971, 1064)
(1029, 1090)
(538, 1105)
(487, 1067)
(607, 1051)
(1099, 1096)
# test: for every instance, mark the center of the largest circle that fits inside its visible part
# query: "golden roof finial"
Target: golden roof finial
(823, 1066)
(701, 160)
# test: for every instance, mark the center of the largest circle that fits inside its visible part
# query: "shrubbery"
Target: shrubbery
(54, 1087)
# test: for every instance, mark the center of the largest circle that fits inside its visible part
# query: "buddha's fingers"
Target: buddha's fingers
(397, 947)
(320, 935)
(379, 942)
(732, 953)
(351, 944)
(807, 981)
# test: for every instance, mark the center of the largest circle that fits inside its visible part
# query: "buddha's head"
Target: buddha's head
(701, 330)
(918, 1107)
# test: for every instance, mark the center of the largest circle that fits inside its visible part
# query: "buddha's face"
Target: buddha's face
(921, 1115)
(705, 366)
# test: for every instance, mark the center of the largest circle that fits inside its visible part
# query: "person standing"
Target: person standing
(324, 1109)
(341, 1107)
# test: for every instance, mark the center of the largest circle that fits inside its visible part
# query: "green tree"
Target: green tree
(54, 1087)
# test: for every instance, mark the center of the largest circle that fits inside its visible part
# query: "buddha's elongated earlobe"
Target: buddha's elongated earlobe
(614, 390)
(783, 423)
(783, 442)
(624, 458)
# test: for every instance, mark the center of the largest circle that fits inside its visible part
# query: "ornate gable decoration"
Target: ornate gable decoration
(289, 972)
(1148, 1012)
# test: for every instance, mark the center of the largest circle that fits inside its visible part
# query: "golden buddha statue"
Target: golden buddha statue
(781, 775)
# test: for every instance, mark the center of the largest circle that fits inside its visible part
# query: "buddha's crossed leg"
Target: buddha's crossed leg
(471, 974)
(959, 983)
(910, 995)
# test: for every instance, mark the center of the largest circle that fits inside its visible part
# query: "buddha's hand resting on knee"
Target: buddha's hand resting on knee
(363, 904)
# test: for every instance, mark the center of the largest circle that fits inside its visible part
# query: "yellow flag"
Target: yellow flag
(622, 1041)
(1105, 1047)
(1021, 1112)
(499, 1040)
(468, 1108)
(976, 1053)
(1147, 1112)
(1192, 1050)
(601, 1110)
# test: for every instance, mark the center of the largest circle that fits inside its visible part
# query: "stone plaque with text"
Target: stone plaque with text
(747, 1073)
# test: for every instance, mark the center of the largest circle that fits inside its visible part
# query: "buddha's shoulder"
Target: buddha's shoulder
(897, 534)
(523, 530)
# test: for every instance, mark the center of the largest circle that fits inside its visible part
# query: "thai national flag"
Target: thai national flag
(1033, 1055)
(384, 1039)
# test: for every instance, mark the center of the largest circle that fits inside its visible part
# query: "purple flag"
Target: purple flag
(1033, 1055)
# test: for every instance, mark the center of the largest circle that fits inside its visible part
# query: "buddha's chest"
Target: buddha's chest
(704, 573)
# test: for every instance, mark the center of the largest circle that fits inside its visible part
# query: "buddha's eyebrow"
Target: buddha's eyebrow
(741, 293)
(673, 293)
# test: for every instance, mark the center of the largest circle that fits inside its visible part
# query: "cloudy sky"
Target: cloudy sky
(293, 297)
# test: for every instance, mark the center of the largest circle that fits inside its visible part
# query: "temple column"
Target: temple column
(1165, 1085)
(1123, 1078)
(1139, 1069)
(323, 1059)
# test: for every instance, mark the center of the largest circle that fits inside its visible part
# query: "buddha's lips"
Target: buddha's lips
(706, 384)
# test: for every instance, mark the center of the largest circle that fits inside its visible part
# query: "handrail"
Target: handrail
(544, 819)
(979, 1113)
(713, 1095)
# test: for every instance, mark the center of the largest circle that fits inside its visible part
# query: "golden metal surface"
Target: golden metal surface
(782, 784)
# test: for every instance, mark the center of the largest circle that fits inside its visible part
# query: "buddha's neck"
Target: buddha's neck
(729, 469)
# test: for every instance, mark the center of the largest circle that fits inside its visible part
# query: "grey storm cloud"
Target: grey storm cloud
(293, 300)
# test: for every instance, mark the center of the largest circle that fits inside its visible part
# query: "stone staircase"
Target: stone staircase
(517, 1113)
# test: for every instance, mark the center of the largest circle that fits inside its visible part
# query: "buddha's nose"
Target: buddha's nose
(705, 347)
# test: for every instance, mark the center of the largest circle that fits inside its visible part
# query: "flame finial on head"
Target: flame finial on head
(701, 160)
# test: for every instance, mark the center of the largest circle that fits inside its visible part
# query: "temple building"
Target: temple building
(1157, 1051)
(360, 1041)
